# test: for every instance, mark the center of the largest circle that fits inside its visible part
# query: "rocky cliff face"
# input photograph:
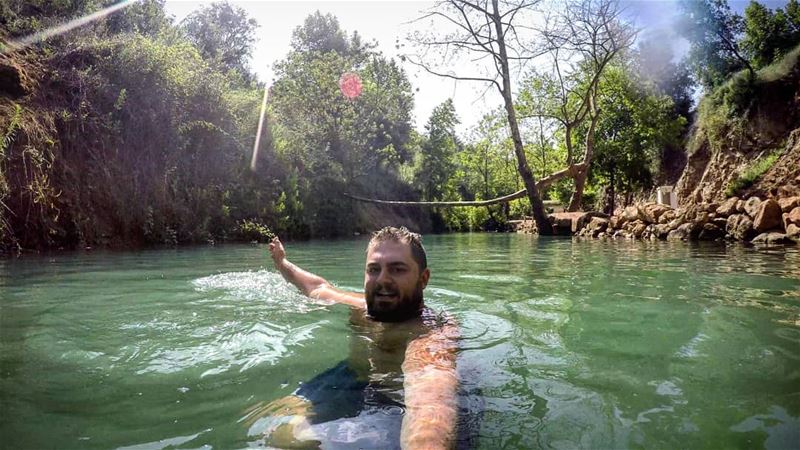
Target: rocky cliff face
(725, 144)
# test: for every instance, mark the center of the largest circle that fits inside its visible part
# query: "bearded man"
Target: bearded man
(401, 363)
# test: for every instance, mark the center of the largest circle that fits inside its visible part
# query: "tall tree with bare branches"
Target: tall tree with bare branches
(489, 30)
(581, 39)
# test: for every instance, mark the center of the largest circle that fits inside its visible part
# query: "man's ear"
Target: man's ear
(424, 277)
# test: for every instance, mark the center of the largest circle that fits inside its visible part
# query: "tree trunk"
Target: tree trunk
(576, 201)
(543, 224)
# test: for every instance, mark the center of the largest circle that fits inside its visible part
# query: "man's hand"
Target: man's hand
(276, 250)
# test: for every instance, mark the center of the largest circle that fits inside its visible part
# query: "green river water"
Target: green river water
(565, 343)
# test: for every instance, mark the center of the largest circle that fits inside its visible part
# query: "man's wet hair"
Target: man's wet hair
(402, 235)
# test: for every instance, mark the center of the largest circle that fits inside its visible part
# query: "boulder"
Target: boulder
(740, 227)
(740, 206)
(711, 232)
(675, 224)
(751, 206)
(727, 207)
(792, 217)
(720, 222)
(616, 222)
(772, 238)
(768, 216)
(638, 230)
(661, 230)
(710, 207)
(651, 212)
(630, 213)
(580, 222)
(682, 233)
(596, 226)
(562, 224)
(793, 232)
(789, 203)
(700, 219)
(668, 216)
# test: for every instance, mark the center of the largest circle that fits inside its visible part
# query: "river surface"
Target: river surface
(565, 344)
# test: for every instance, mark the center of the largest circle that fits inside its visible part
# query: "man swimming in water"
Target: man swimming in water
(396, 340)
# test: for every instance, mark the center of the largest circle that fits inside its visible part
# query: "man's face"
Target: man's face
(393, 283)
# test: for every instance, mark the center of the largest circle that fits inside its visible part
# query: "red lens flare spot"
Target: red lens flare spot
(350, 84)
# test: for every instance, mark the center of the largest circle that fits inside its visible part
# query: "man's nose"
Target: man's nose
(383, 276)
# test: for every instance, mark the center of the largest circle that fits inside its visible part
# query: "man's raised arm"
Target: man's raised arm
(430, 384)
(310, 285)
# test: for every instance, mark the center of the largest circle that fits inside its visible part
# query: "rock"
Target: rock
(792, 217)
(580, 222)
(751, 206)
(700, 219)
(740, 227)
(615, 222)
(789, 203)
(638, 230)
(793, 232)
(727, 207)
(771, 238)
(710, 207)
(711, 232)
(661, 230)
(740, 206)
(562, 224)
(720, 222)
(596, 226)
(768, 216)
(650, 212)
(630, 213)
(681, 233)
(675, 224)
(668, 216)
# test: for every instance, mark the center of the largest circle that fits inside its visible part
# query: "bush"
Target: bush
(252, 230)
(751, 174)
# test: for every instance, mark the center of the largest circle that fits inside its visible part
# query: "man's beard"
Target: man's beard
(407, 307)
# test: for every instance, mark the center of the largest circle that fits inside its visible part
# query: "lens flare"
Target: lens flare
(350, 84)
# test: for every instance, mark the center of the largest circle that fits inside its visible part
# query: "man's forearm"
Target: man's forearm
(307, 282)
(431, 409)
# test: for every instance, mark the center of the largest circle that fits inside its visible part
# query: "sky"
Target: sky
(387, 21)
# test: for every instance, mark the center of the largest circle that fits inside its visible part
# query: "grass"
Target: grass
(751, 174)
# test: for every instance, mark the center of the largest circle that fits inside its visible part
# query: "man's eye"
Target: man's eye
(398, 269)
(373, 270)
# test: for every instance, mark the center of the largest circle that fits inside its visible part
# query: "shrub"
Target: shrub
(751, 174)
(253, 230)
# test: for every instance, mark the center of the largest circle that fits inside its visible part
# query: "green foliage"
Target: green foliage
(751, 174)
(770, 34)
(722, 113)
(253, 230)
(335, 144)
(223, 34)
(713, 31)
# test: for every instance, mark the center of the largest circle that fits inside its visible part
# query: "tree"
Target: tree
(223, 34)
(334, 143)
(636, 126)
(487, 29)
(713, 31)
(436, 165)
(582, 40)
(767, 34)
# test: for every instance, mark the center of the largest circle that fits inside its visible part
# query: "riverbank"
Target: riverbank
(770, 221)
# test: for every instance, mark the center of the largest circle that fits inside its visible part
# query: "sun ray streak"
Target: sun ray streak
(35, 38)
(260, 126)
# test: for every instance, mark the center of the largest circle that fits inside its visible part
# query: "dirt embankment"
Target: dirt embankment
(727, 147)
